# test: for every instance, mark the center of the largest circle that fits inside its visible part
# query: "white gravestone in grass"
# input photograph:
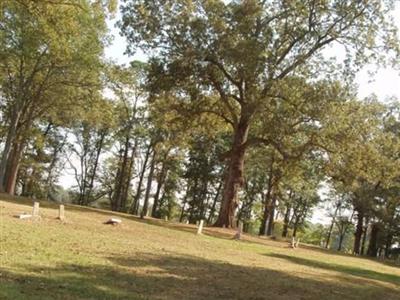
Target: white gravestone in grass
(61, 215)
(35, 211)
(238, 234)
(200, 228)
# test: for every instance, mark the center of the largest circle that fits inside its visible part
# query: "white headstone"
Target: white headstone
(61, 214)
(200, 228)
(35, 212)
(238, 234)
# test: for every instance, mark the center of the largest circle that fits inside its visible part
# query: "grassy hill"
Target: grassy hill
(152, 259)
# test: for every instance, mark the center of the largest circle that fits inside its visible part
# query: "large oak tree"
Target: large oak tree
(243, 50)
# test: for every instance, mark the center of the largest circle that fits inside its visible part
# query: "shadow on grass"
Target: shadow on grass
(217, 233)
(169, 276)
(359, 272)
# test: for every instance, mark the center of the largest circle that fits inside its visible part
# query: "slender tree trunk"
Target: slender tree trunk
(96, 162)
(143, 213)
(120, 179)
(54, 158)
(193, 202)
(212, 210)
(203, 198)
(364, 236)
(267, 205)
(388, 244)
(271, 218)
(286, 220)
(296, 223)
(358, 233)
(328, 238)
(183, 208)
(343, 232)
(128, 178)
(116, 183)
(135, 204)
(234, 178)
(160, 183)
(373, 241)
(341, 237)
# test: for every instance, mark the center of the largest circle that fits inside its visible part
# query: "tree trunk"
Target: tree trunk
(116, 183)
(286, 221)
(54, 158)
(160, 183)
(12, 167)
(96, 162)
(271, 218)
(203, 198)
(364, 236)
(193, 203)
(143, 213)
(373, 241)
(11, 136)
(128, 178)
(328, 238)
(212, 210)
(388, 244)
(358, 233)
(341, 237)
(267, 202)
(135, 203)
(234, 178)
(120, 180)
(295, 226)
(183, 208)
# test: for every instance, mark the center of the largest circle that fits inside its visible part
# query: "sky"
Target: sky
(384, 84)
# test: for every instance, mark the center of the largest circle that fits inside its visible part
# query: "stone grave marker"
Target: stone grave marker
(200, 228)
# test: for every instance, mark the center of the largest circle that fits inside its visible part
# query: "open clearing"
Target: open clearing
(153, 259)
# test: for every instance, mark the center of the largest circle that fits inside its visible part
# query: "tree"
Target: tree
(50, 67)
(90, 140)
(241, 51)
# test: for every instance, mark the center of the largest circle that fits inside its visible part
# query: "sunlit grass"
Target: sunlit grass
(85, 259)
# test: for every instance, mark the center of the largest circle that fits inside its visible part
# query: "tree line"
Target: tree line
(239, 114)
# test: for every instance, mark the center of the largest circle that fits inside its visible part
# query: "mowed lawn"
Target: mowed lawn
(152, 259)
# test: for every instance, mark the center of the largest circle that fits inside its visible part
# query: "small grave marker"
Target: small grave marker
(23, 216)
(35, 211)
(238, 234)
(113, 221)
(61, 215)
(200, 228)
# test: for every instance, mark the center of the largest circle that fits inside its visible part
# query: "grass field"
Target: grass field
(152, 259)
